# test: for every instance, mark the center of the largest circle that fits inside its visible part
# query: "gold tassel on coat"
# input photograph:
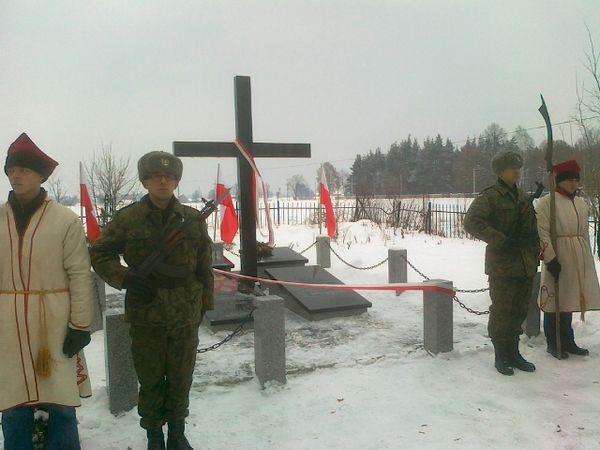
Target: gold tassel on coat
(43, 361)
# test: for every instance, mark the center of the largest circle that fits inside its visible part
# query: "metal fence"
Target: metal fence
(445, 220)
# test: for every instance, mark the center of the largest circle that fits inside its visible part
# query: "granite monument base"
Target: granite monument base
(315, 303)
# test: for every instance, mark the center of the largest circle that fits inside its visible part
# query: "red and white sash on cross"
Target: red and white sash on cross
(256, 174)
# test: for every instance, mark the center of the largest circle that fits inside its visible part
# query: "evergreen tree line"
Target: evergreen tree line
(438, 166)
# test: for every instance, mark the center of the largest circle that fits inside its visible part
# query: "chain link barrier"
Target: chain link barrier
(455, 298)
(308, 248)
(231, 251)
(230, 336)
(352, 265)
(412, 266)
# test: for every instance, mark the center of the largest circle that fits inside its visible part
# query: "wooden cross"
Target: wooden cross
(243, 132)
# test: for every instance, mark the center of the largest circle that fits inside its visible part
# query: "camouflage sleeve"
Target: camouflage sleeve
(477, 222)
(204, 268)
(105, 253)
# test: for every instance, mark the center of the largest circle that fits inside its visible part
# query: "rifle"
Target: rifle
(156, 259)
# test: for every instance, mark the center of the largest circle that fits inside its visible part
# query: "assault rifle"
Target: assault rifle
(537, 193)
(154, 262)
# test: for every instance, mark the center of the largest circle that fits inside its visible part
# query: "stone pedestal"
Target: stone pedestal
(269, 339)
(531, 326)
(323, 251)
(99, 303)
(121, 379)
(437, 319)
(230, 310)
(397, 270)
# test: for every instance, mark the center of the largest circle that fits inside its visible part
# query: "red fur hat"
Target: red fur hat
(567, 170)
(24, 153)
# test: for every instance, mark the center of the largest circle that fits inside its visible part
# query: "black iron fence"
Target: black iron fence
(433, 218)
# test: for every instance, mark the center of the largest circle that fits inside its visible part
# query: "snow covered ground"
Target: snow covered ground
(366, 382)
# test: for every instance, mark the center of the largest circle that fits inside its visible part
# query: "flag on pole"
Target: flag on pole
(91, 223)
(229, 218)
(326, 201)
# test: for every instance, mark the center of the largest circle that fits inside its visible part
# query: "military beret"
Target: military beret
(24, 153)
(506, 159)
(158, 161)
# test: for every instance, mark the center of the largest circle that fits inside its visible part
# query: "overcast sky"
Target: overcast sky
(345, 76)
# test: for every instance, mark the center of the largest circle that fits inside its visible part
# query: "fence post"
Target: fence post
(323, 251)
(397, 270)
(437, 319)
(429, 218)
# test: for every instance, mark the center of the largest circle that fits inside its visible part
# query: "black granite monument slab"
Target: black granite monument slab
(314, 303)
(281, 257)
(233, 307)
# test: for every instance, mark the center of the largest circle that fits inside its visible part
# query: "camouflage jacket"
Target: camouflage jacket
(135, 232)
(499, 212)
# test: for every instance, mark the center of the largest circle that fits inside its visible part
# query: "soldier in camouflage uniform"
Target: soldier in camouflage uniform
(164, 308)
(503, 217)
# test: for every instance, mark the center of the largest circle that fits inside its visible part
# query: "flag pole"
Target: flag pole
(320, 202)
(216, 213)
(80, 196)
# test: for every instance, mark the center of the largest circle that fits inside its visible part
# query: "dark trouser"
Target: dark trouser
(164, 360)
(510, 300)
(17, 427)
(567, 336)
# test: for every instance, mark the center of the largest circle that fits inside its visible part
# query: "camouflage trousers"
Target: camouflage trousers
(510, 299)
(164, 360)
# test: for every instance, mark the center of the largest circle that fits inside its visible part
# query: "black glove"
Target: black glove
(554, 268)
(139, 285)
(75, 341)
(511, 243)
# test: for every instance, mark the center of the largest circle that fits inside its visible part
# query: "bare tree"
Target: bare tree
(588, 98)
(57, 189)
(333, 177)
(297, 185)
(111, 182)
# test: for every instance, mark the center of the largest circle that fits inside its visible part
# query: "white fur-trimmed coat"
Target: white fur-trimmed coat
(51, 257)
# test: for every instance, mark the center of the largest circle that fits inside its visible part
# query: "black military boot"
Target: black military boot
(517, 360)
(156, 439)
(502, 361)
(176, 438)
(569, 336)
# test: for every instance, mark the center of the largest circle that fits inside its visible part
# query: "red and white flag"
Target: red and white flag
(91, 223)
(326, 201)
(229, 218)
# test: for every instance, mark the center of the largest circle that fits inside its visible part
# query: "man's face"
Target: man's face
(161, 185)
(569, 186)
(24, 181)
(511, 175)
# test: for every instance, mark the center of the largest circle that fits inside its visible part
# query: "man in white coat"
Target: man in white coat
(571, 262)
(45, 305)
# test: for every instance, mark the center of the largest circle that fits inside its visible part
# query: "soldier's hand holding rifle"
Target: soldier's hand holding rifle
(139, 285)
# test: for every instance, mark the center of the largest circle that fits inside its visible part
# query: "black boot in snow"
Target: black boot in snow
(176, 438)
(502, 361)
(574, 349)
(156, 439)
(517, 360)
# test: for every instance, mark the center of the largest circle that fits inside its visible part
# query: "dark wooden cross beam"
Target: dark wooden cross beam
(243, 132)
